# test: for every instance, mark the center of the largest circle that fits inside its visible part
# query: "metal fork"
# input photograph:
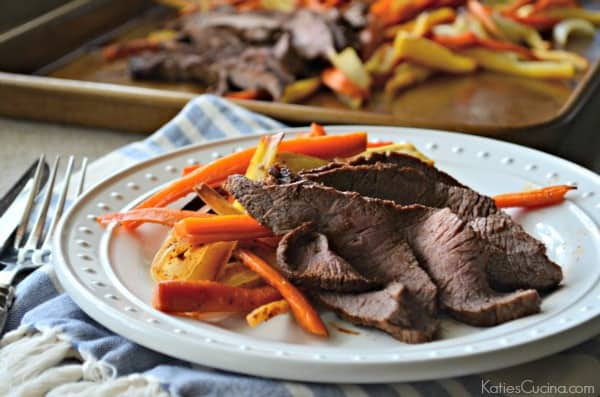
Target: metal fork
(33, 252)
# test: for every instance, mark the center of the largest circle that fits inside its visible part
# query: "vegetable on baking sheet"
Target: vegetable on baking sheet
(509, 64)
(430, 54)
(382, 61)
(484, 15)
(469, 39)
(220, 228)
(348, 62)
(300, 89)
(306, 316)
(569, 27)
(340, 84)
(534, 198)
(517, 32)
(405, 75)
(579, 63)
(325, 147)
(266, 312)
(428, 19)
(210, 296)
(572, 12)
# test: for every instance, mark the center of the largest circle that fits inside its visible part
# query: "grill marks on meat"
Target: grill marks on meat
(388, 243)
(226, 51)
(517, 260)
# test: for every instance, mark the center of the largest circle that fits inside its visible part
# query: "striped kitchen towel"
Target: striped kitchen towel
(52, 348)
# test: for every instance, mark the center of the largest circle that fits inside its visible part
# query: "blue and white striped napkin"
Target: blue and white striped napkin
(54, 349)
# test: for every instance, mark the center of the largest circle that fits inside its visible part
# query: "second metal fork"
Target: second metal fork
(34, 251)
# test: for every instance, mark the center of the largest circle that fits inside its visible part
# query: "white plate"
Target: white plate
(106, 273)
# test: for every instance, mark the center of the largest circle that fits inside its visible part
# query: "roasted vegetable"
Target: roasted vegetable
(220, 228)
(210, 296)
(300, 89)
(306, 316)
(534, 198)
(215, 201)
(508, 63)
(430, 54)
(406, 75)
(349, 63)
(238, 275)
(267, 312)
(298, 162)
(563, 30)
(162, 216)
(404, 148)
(177, 259)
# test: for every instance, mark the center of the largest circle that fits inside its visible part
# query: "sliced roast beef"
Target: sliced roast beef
(388, 309)
(386, 242)
(304, 256)
(165, 66)
(258, 69)
(517, 260)
(364, 242)
(311, 35)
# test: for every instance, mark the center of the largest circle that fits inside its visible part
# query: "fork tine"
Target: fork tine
(38, 228)
(84, 164)
(27, 213)
(60, 205)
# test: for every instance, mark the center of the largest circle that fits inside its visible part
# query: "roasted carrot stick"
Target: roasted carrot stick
(210, 296)
(325, 147)
(306, 316)
(514, 7)
(534, 198)
(338, 82)
(483, 15)
(470, 39)
(462, 40)
(163, 216)
(220, 228)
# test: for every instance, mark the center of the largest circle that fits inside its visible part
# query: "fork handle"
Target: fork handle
(7, 296)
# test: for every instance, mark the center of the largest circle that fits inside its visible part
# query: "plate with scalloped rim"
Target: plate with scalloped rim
(106, 272)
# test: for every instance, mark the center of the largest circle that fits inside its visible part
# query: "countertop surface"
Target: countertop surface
(21, 142)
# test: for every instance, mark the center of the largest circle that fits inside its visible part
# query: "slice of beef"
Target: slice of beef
(178, 66)
(400, 159)
(258, 69)
(517, 260)
(388, 309)
(254, 27)
(304, 256)
(456, 260)
(311, 36)
(384, 241)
